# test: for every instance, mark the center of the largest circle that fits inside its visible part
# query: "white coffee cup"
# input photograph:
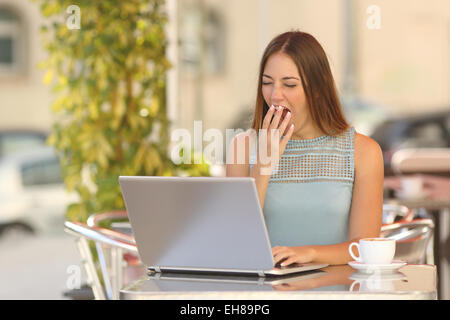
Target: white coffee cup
(411, 186)
(374, 250)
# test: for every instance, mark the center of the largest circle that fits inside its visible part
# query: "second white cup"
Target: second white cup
(374, 250)
(412, 186)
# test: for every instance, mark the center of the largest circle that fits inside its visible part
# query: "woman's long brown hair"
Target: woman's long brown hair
(317, 80)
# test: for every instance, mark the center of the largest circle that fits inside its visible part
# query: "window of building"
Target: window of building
(11, 43)
(202, 40)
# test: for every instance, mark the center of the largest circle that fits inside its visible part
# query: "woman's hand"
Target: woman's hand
(290, 255)
(272, 122)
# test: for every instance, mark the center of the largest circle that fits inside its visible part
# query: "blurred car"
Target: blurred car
(32, 193)
(431, 130)
(16, 140)
(364, 115)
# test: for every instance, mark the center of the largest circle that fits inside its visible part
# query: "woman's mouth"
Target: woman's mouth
(283, 115)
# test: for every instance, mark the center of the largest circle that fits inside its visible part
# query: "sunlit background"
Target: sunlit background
(390, 60)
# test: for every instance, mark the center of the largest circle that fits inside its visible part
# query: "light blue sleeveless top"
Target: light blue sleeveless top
(309, 195)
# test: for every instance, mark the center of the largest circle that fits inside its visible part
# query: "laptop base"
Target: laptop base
(261, 273)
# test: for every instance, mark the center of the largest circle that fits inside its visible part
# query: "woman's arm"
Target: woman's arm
(365, 213)
(367, 201)
(239, 150)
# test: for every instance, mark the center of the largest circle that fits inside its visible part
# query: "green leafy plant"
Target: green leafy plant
(109, 80)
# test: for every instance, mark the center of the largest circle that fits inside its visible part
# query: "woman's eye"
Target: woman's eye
(287, 85)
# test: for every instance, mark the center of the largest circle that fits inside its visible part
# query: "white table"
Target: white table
(335, 282)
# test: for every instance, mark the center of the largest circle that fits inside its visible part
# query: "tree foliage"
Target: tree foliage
(109, 82)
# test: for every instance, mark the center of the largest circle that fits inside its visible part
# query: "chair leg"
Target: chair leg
(89, 266)
(105, 273)
(116, 271)
(429, 258)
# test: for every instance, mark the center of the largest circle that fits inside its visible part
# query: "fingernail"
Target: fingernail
(271, 108)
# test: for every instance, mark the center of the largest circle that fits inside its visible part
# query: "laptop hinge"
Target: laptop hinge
(155, 268)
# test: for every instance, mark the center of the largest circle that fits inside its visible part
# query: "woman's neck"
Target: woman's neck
(307, 132)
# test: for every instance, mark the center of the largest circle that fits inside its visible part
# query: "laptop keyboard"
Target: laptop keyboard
(294, 265)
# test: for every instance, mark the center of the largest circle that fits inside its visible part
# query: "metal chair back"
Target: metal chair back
(393, 213)
(412, 239)
(111, 246)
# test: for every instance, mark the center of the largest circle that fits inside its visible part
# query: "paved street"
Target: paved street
(36, 266)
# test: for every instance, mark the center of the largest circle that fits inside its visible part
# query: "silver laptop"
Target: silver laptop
(214, 279)
(201, 224)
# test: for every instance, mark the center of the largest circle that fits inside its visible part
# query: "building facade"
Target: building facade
(395, 54)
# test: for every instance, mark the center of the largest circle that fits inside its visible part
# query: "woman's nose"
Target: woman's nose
(277, 95)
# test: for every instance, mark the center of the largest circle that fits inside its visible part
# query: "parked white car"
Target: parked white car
(32, 193)
(17, 140)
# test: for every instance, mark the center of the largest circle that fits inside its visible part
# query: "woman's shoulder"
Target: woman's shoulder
(363, 143)
(367, 151)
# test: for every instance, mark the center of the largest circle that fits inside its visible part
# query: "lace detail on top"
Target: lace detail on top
(320, 159)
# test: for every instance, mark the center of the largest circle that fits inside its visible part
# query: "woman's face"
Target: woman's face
(281, 86)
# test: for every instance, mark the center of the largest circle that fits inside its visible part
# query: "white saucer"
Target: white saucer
(403, 196)
(380, 268)
(382, 277)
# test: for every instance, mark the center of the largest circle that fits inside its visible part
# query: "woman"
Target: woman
(325, 188)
